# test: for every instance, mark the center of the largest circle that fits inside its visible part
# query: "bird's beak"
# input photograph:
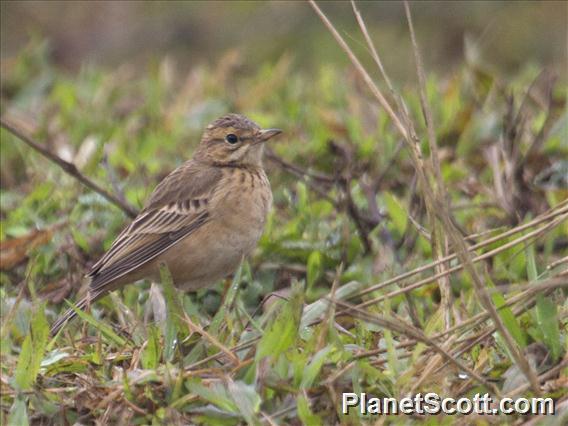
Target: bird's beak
(266, 134)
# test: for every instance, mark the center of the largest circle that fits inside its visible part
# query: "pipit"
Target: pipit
(200, 220)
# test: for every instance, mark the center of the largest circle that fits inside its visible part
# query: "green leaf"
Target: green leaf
(305, 413)
(102, 327)
(546, 310)
(282, 331)
(174, 310)
(314, 310)
(219, 317)
(314, 269)
(547, 322)
(393, 362)
(150, 357)
(32, 351)
(18, 413)
(246, 399)
(302, 197)
(216, 395)
(53, 358)
(397, 212)
(532, 272)
(507, 316)
(312, 370)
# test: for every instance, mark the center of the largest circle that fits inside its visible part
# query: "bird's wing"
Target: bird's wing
(178, 206)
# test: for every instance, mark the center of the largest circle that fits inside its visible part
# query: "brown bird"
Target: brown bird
(200, 220)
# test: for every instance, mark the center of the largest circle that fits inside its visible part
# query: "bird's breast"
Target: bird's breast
(244, 205)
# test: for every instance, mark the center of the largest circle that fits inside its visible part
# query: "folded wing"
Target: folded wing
(178, 206)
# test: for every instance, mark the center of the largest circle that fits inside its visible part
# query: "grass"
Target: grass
(407, 255)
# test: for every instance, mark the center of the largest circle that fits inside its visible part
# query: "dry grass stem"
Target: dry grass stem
(434, 200)
(527, 237)
(405, 329)
(194, 328)
(69, 168)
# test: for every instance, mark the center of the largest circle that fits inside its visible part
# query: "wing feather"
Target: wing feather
(177, 207)
(153, 245)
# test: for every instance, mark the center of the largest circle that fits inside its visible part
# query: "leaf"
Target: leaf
(246, 399)
(53, 357)
(393, 363)
(100, 326)
(175, 312)
(282, 331)
(507, 316)
(150, 357)
(18, 413)
(397, 212)
(174, 306)
(316, 309)
(547, 322)
(532, 272)
(302, 197)
(32, 351)
(219, 317)
(312, 370)
(216, 395)
(14, 251)
(314, 269)
(546, 313)
(305, 413)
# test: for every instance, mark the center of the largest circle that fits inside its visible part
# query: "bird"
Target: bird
(200, 221)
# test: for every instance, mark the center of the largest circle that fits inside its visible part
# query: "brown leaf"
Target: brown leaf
(15, 251)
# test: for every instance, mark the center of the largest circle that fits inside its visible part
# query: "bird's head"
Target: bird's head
(234, 140)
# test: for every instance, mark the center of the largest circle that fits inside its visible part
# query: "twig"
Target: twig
(554, 214)
(390, 164)
(481, 317)
(374, 89)
(195, 328)
(316, 181)
(541, 136)
(272, 156)
(113, 179)
(434, 201)
(304, 175)
(533, 234)
(440, 239)
(457, 240)
(403, 328)
(371, 45)
(545, 376)
(69, 168)
(344, 178)
(519, 310)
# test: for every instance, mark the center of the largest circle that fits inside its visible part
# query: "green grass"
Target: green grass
(347, 215)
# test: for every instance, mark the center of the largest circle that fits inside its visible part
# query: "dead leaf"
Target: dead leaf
(15, 251)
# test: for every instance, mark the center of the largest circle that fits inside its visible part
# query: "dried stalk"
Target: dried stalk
(69, 168)
(408, 330)
(435, 203)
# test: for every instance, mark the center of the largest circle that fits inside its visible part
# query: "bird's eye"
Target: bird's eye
(231, 138)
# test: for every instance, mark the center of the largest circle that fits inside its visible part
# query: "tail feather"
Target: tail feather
(71, 313)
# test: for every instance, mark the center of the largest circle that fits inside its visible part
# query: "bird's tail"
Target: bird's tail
(72, 313)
